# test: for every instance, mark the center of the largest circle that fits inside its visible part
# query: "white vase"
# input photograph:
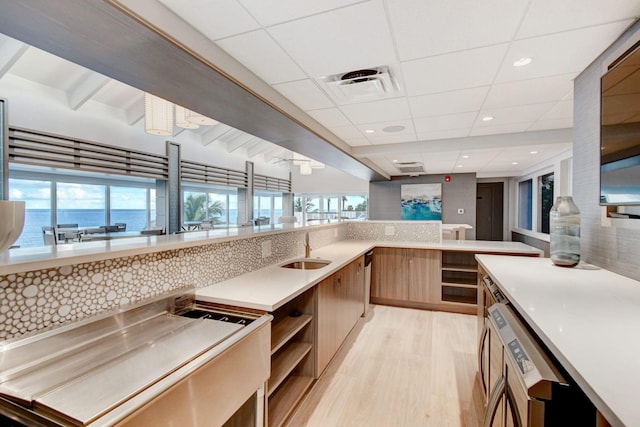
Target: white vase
(11, 222)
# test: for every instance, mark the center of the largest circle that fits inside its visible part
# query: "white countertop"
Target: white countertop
(36, 258)
(590, 320)
(271, 287)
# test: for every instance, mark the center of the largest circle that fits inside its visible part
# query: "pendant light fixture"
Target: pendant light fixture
(158, 116)
(181, 119)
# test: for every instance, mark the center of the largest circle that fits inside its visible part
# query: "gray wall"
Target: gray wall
(614, 248)
(384, 198)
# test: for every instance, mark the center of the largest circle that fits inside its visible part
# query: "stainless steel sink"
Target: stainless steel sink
(306, 264)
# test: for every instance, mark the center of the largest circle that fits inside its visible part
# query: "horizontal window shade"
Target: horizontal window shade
(208, 174)
(262, 182)
(43, 149)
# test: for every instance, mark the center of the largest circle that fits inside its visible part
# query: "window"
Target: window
(525, 212)
(267, 204)
(82, 204)
(84, 199)
(310, 207)
(545, 201)
(206, 202)
(37, 198)
(129, 205)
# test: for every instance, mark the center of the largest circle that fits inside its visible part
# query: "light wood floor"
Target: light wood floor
(400, 368)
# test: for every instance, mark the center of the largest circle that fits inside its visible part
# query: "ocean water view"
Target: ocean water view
(35, 219)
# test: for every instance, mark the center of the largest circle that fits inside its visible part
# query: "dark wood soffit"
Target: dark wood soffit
(100, 37)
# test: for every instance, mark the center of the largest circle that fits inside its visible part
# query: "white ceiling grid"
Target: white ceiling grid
(452, 59)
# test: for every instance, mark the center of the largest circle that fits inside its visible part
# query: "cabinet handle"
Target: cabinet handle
(492, 406)
(481, 347)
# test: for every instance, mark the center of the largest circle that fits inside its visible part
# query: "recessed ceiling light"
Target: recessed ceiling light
(533, 152)
(370, 131)
(487, 118)
(522, 62)
(514, 163)
(394, 128)
(465, 157)
(459, 166)
(394, 161)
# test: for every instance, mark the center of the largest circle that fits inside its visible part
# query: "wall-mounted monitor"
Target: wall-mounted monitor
(620, 131)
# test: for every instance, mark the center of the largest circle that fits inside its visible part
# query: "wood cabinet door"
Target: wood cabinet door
(355, 293)
(328, 319)
(389, 278)
(423, 267)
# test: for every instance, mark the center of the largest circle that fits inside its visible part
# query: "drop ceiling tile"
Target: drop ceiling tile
(305, 94)
(357, 142)
(452, 71)
(270, 12)
(517, 114)
(443, 134)
(534, 91)
(379, 135)
(562, 110)
(214, 18)
(545, 124)
(330, 117)
(255, 50)
(572, 52)
(377, 111)
(337, 41)
(377, 139)
(347, 132)
(552, 16)
(460, 101)
(447, 122)
(500, 129)
(426, 28)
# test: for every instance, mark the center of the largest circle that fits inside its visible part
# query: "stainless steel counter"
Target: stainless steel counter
(90, 373)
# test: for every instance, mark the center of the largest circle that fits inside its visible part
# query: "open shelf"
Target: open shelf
(286, 397)
(460, 294)
(459, 277)
(285, 328)
(285, 362)
(460, 267)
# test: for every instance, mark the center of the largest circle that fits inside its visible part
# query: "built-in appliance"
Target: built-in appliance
(526, 388)
(488, 295)
(166, 362)
(620, 131)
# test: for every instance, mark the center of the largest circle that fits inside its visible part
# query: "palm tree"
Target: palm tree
(194, 207)
(216, 210)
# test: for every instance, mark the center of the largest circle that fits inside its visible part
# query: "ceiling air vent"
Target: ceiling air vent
(361, 85)
(410, 167)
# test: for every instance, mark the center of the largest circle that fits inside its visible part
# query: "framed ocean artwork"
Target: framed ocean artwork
(421, 202)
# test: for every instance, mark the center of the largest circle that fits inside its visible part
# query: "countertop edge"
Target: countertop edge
(582, 382)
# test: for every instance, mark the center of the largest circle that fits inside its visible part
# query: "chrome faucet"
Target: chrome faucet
(307, 247)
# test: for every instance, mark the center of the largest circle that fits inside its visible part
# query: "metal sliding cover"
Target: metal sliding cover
(84, 382)
(535, 371)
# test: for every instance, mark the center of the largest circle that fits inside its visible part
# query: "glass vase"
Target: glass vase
(564, 232)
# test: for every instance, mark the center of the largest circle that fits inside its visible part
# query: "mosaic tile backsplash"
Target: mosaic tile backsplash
(411, 231)
(35, 300)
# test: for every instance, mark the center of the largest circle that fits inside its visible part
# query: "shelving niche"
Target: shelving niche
(459, 277)
(292, 360)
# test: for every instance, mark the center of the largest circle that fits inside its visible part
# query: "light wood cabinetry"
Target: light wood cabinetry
(340, 303)
(292, 357)
(405, 277)
(431, 279)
